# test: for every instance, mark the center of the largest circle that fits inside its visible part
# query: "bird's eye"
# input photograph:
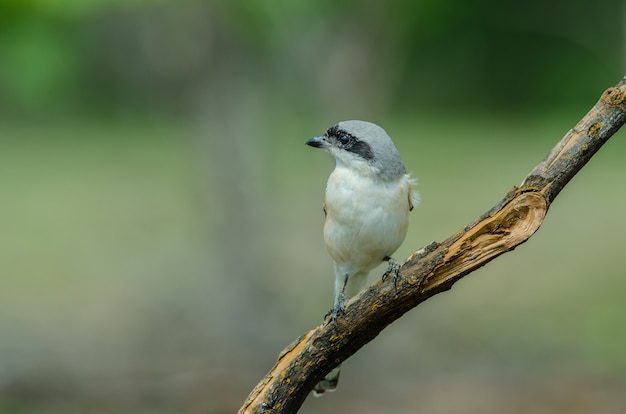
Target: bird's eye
(343, 139)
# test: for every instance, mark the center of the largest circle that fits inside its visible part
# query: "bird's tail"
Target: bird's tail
(329, 383)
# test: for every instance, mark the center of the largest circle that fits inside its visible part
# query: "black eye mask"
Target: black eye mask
(350, 143)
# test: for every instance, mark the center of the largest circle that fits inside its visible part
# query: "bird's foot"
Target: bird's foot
(337, 310)
(393, 269)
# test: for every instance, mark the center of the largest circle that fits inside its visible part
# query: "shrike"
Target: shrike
(367, 203)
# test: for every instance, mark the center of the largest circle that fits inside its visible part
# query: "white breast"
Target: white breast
(366, 218)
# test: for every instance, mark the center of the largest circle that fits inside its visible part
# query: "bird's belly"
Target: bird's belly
(366, 220)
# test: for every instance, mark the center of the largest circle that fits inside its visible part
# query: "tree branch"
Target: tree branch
(436, 267)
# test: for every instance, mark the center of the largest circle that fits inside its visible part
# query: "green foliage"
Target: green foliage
(39, 65)
(435, 54)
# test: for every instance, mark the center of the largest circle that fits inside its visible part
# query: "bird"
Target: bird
(367, 202)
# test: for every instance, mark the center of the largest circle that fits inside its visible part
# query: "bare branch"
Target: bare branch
(436, 267)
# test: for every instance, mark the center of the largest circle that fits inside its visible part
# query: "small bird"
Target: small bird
(367, 203)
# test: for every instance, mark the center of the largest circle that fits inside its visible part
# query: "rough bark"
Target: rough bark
(437, 266)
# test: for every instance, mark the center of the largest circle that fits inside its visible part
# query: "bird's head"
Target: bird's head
(363, 147)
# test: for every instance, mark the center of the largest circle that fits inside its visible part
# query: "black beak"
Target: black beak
(318, 142)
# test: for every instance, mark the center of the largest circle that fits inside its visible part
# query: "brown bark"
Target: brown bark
(436, 267)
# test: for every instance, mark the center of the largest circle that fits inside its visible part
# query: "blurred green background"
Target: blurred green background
(161, 222)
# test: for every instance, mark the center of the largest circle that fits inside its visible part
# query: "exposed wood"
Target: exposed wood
(436, 267)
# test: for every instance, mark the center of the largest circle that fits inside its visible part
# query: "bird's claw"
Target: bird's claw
(338, 309)
(393, 269)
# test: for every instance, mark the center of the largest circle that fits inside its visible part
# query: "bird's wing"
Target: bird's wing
(414, 197)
